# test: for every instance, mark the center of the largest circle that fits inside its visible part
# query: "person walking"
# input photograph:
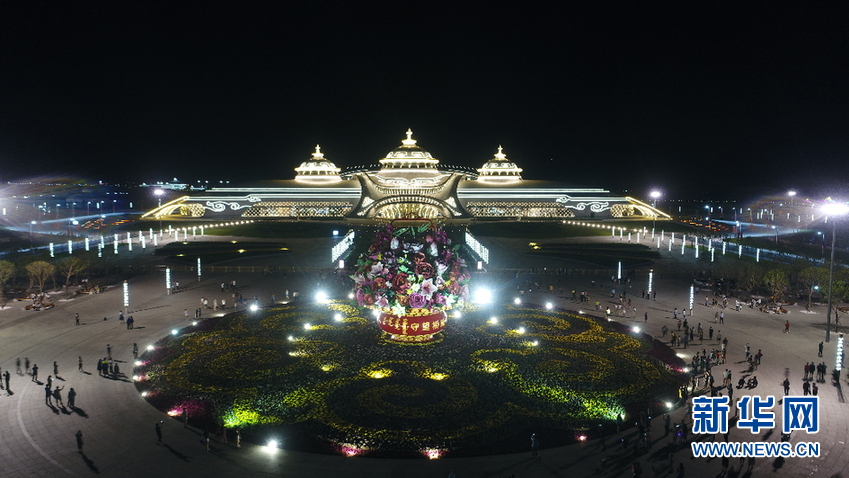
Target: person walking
(55, 369)
(26, 364)
(6, 376)
(135, 351)
(72, 398)
(79, 436)
(76, 319)
(786, 384)
(206, 440)
(820, 350)
(186, 313)
(109, 351)
(49, 381)
(787, 326)
(159, 432)
(18, 365)
(238, 438)
(34, 373)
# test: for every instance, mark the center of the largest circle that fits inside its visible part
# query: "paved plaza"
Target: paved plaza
(118, 425)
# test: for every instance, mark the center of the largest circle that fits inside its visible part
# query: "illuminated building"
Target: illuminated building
(408, 182)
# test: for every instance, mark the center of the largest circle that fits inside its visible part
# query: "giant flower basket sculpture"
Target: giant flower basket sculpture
(412, 275)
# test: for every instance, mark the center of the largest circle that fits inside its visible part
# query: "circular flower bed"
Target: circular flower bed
(325, 378)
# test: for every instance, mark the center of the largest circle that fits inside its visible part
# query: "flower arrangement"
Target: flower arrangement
(411, 271)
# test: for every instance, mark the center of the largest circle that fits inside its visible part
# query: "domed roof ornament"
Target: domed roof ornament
(500, 170)
(317, 170)
(409, 141)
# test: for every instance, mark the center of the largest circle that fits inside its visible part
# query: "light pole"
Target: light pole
(654, 196)
(832, 210)
(32, 223)
(791, 193)
(159, 192)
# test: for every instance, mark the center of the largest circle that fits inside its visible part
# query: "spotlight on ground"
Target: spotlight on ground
(517, 301)
(150, 347)
(174, 331)
(254, 307)
(636, 329)
(321, 297)
(548, 305)
(271, 446)
(458, 314)
(337, 317)
(483, 296)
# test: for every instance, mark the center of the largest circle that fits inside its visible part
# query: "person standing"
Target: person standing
(787, 326)
(109, 351)
(72, 398)
(238, 438)
(26, 365)
(57, 395)
(159, 432)
(820, 350)
(47, 395)
(186, 313)
(79, 436)
(55, 369)
(34, 373)
(786, 384)
(18, 365)
(49, 381)
(206, 440)
(77, 319)
(80, 364)
(135, 351)
(534, 446)
(6, 376)
(185, 417)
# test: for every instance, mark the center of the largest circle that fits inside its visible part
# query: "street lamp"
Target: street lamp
(654, 196)
(32, 223)
(791, 193)
(159, 192)
(832, 210)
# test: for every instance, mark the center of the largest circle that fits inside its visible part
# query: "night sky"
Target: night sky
(699, 100)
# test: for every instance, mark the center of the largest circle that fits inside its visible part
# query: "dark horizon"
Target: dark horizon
(730, 103)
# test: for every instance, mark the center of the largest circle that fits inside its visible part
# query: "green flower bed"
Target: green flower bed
(324, 378)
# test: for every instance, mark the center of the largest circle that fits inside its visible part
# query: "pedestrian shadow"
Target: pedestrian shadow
(54, 409)
(177, 453)
(80, 412)
(65, 411)
(58, 378)
(90, 464)
(83, 371)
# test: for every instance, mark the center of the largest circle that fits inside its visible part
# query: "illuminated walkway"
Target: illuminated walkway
(118, 425)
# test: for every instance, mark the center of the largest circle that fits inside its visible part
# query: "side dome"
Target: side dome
(500, 170)
(317, 170)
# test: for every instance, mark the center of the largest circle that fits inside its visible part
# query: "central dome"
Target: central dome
(409, 156)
